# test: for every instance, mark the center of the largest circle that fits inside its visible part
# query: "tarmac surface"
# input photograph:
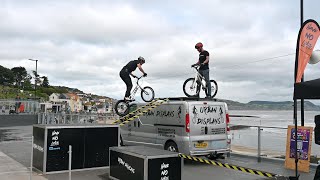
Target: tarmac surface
(15, 155)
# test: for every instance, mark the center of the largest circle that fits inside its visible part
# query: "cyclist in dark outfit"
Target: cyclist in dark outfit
(127, 70)
(204, 65)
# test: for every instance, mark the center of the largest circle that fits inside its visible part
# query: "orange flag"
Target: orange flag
(308, 38)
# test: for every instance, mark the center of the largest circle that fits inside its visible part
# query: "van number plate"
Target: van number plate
(201, 145)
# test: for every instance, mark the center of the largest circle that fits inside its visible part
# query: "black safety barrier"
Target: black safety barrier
(90, 146)
(143, 163)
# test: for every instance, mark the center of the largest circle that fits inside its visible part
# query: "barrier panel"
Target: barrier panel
(19, 107)
(143, 163)
(90, 144)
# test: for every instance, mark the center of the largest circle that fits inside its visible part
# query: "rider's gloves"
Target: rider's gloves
(134, 76)
(193, 65)
(145, 75)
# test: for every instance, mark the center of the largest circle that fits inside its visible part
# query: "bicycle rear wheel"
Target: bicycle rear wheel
(147, 94)
(122, 108)
(214, 88)
(190, 88)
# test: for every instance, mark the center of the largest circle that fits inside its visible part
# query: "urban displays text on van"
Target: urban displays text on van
(159, 113)
(211, 121)
(207, 110)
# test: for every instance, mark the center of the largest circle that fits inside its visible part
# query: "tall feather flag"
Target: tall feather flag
(307, 38)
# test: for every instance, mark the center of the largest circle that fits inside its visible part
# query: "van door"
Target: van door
(142, 130)
(208, 126)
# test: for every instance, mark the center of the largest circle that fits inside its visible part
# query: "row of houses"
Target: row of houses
(71, 102)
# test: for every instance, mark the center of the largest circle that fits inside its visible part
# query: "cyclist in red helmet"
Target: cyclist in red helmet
(204, 65)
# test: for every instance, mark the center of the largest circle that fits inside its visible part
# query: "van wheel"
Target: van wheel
(171, 146)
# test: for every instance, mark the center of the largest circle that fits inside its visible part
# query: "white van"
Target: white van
(190, 126)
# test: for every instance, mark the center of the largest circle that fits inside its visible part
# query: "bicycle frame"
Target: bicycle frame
(199, 78)
(134, 91)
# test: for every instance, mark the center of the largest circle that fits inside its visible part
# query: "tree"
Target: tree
(20, 74)
(27, 82)
(6, 76)
(36, 77)
(45, 81)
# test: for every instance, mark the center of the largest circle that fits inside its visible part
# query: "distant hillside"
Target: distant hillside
(269, 105)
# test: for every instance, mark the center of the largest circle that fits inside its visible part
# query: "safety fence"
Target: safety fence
(264, 141)
(19, 107)
(63, 118)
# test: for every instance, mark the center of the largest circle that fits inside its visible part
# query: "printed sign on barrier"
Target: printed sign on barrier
(304, 139)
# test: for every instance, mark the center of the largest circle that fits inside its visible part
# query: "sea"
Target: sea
(273, 140)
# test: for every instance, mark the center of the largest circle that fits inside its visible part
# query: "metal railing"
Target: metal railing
(280, 151)
(63, 118)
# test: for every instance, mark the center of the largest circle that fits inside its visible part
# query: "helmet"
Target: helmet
(141, 59)
(198, 45)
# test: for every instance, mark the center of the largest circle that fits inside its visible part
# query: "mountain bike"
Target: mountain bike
(192, 86)
(147, 95)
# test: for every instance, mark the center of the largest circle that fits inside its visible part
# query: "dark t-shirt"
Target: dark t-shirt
(202, 57)
(131, 66)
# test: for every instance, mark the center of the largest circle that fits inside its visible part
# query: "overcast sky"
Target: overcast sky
(84, 44)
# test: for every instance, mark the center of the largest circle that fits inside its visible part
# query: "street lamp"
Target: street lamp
(35, 80)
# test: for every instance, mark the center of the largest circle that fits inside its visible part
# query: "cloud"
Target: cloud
(84, 44)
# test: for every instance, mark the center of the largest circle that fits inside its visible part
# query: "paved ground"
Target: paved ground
(15, 153)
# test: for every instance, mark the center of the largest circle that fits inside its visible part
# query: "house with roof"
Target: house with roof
(75, 103)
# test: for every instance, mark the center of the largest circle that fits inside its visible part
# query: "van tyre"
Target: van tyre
(171, 146)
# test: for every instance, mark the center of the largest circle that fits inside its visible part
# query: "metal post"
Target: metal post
(259, 144)
(78, 118)
(64, 119)
(31, 162)
(302, 100)
(70, 160)
(70, 118)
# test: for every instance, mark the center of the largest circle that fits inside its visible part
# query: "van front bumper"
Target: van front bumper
(207, 152)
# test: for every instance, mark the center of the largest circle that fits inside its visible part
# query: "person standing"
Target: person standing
(204, 65)
(127, 70)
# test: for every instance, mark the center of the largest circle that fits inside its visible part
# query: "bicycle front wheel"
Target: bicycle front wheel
(122, 108)
(147, 94)
(190, 88)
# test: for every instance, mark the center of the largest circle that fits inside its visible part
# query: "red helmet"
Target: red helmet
(198, 45)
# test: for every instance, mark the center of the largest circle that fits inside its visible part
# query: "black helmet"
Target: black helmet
(141, 59)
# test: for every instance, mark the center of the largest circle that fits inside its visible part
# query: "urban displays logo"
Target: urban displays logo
(54, 141)
(123, 163)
